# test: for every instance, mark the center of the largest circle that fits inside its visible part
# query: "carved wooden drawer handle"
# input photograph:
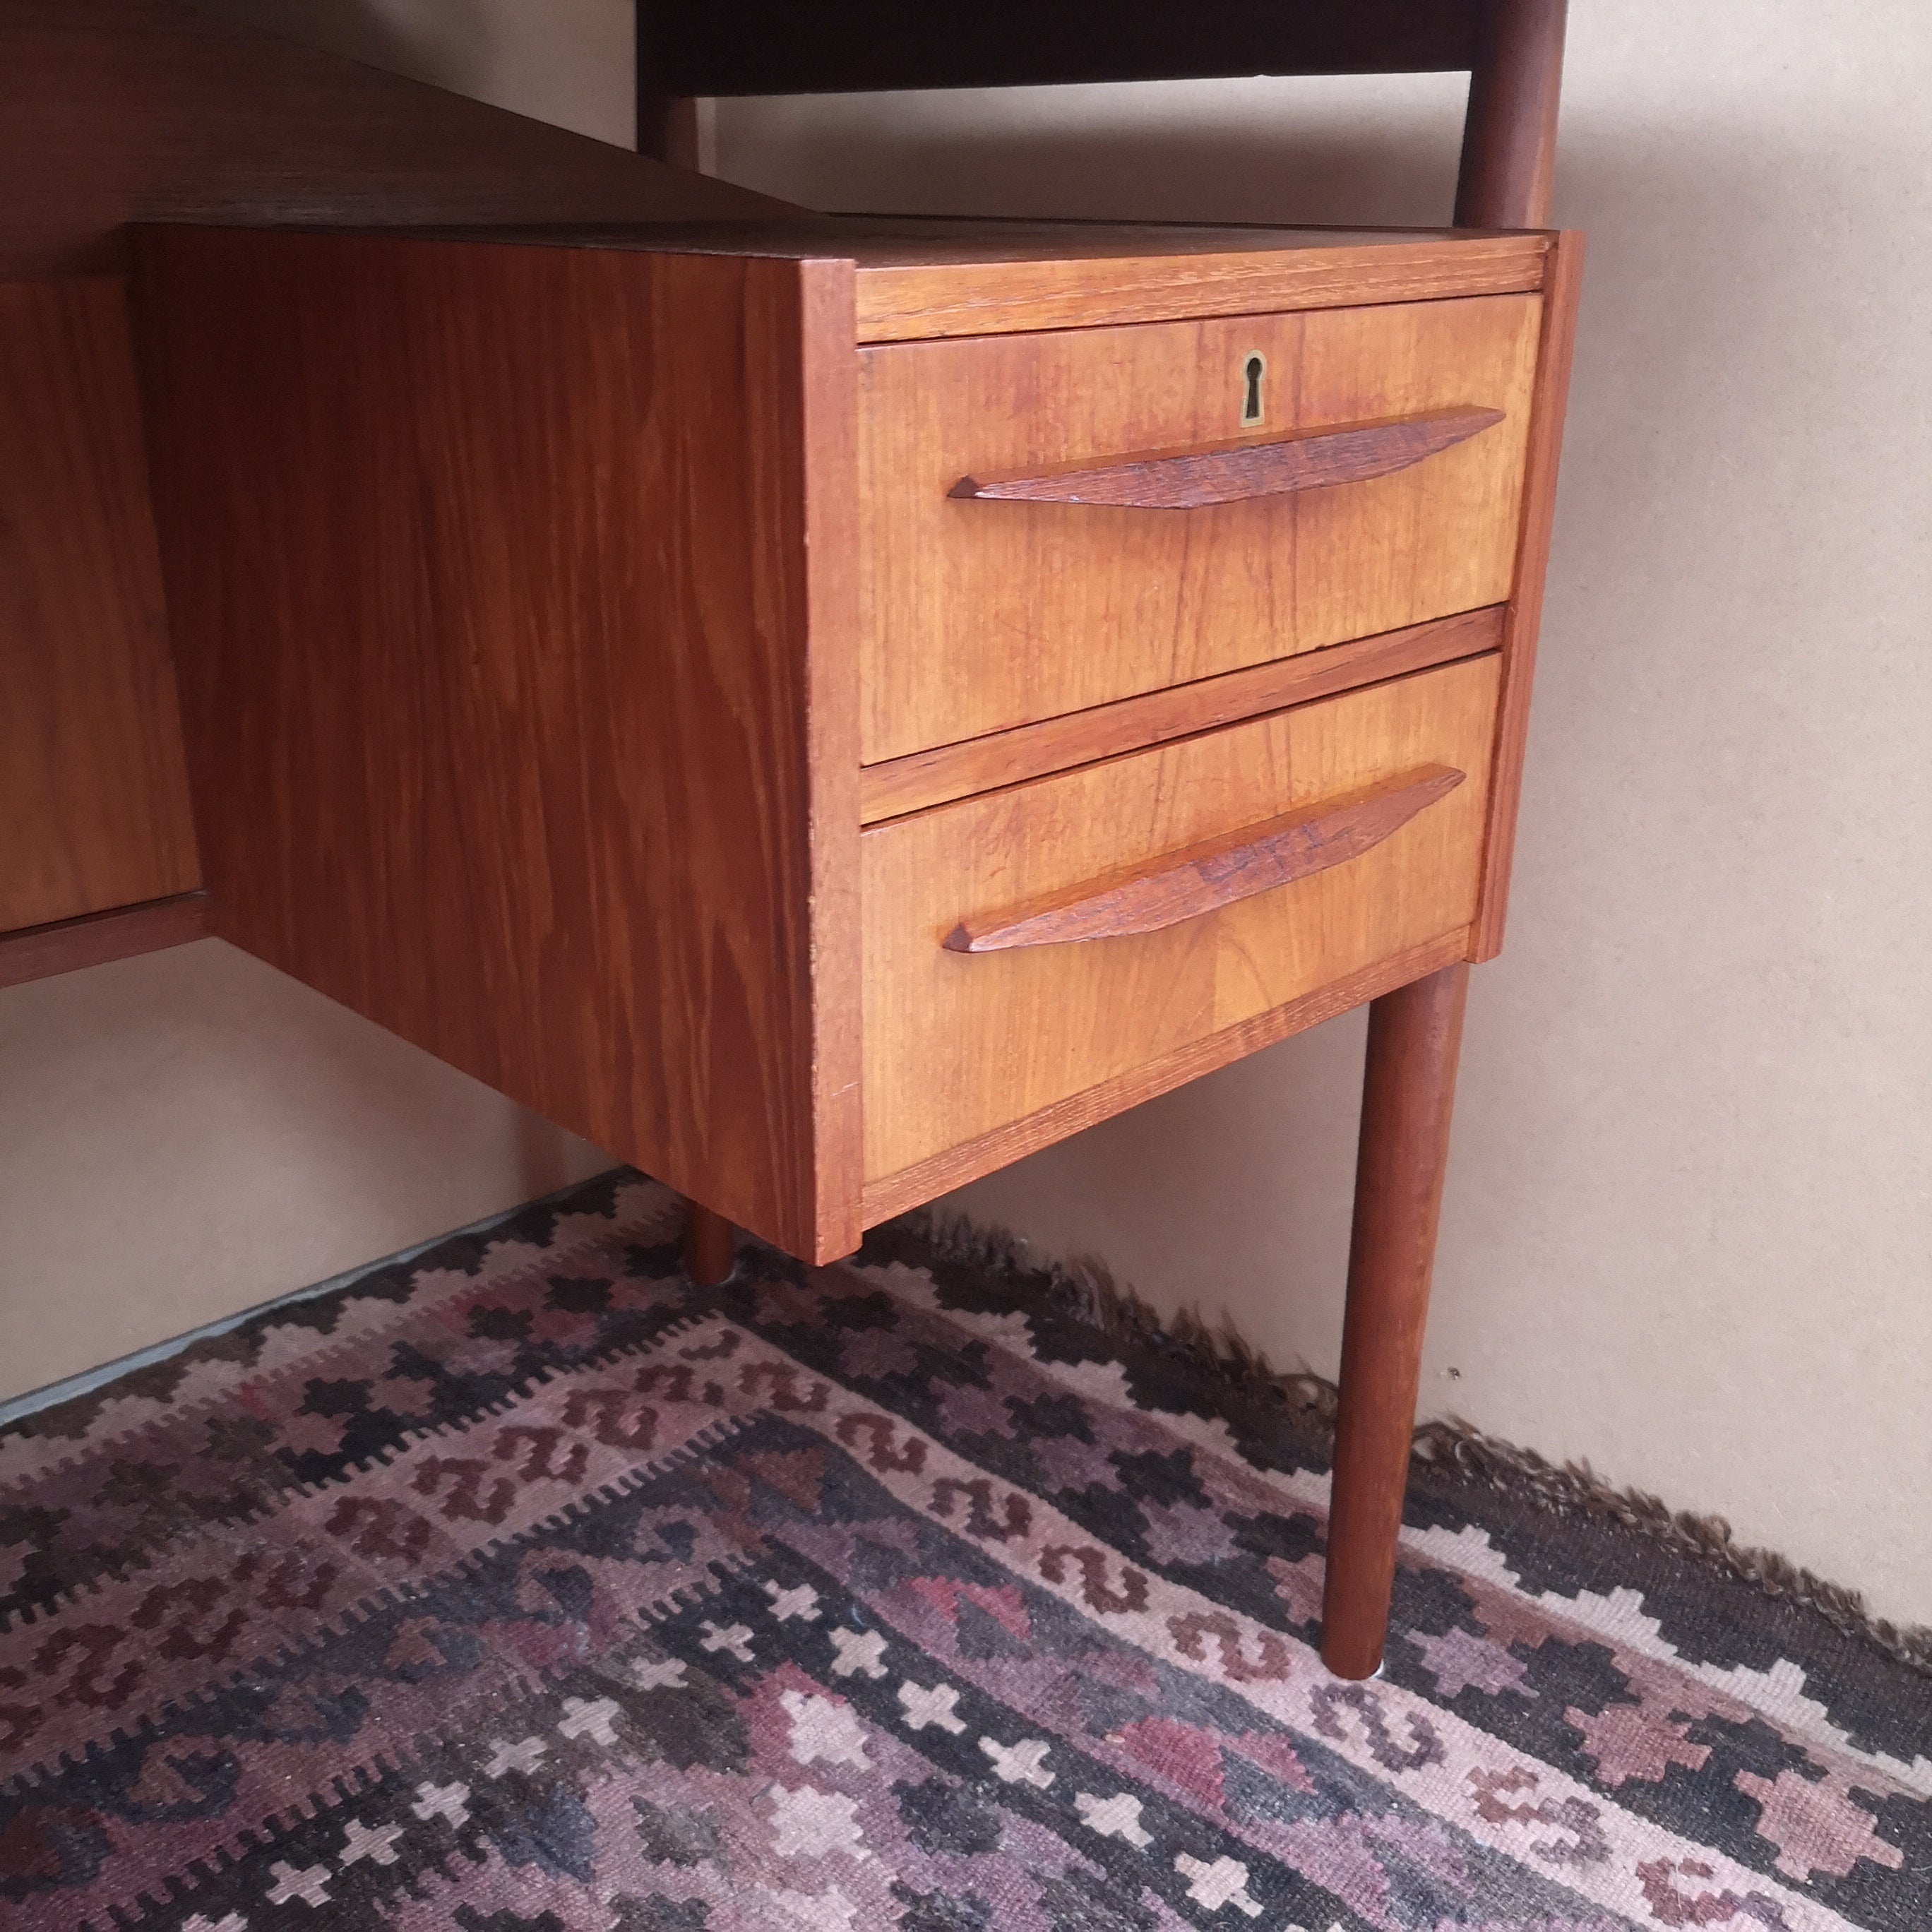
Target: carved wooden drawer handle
(1232, 472)
(1199, 878)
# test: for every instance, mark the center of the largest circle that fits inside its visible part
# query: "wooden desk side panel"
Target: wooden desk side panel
(487, 571)
(1524, 617)
(94, 800)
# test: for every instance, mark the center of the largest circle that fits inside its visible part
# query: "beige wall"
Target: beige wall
(185, 1134)
(1690, 1211)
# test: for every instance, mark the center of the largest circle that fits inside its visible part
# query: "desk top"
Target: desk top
(919, 277)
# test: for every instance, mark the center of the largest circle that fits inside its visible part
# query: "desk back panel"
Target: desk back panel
(111, 110)
(94, 811)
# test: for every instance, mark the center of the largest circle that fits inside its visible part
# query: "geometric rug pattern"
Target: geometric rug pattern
(524, 1587)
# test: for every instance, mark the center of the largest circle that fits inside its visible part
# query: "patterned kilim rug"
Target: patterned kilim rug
(523, 1588)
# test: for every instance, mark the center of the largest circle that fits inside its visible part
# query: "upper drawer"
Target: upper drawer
(980, 614)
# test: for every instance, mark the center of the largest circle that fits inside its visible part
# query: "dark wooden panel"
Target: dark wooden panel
(113, 109)
(42, 951)
(779, 47)
(508, 724)
(94, 809)
(1089, 287)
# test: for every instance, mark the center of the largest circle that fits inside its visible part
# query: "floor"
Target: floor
(578, 1595)
(191, 1133)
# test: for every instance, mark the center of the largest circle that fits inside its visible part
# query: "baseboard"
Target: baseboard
(39, 951)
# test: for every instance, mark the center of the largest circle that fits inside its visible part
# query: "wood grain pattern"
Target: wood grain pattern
(41, 951)
(923, 277)
(957, 1046)
(515, 663)
(823, 630)
(93, 802)
(114, 109)
(779, 47)
(914, 1186)
(1218, 872)
(1057, 744)
(1081, 285)
(1414, 1034)
(1509, 138)
(978, 617)
(118, 110)
(710, 1246)
(1237, 470)
(1525, 616)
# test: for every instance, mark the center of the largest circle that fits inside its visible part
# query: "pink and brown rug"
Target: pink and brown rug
(524, 1587)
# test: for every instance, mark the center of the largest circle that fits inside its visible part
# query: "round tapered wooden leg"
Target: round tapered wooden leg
(1407, 1094)
(710, 1246)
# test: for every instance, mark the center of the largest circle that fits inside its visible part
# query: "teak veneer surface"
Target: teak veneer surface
(1057, 744)
(532, 601)
(1524, 617)
(920, 278)
(978, 616)
(913, 1187)
(957, 1045)
(114, 109)
(94, 801)
(496, 574)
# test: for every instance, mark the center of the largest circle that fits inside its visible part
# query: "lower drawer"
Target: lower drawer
(1130, 908)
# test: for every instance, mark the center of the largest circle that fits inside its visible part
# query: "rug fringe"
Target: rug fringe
(1084, 1287)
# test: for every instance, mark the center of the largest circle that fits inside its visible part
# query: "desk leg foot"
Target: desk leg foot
(1408, 1093)
(710, 1246)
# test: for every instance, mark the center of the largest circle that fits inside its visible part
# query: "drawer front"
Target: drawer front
(958, 1043)
(980, 614)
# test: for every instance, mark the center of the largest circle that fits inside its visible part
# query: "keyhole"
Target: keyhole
(1252, 370)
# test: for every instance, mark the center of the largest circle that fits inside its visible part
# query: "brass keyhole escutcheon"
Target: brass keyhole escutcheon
(1254, 367)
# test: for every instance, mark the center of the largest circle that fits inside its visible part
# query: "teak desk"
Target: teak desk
(824, 709)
